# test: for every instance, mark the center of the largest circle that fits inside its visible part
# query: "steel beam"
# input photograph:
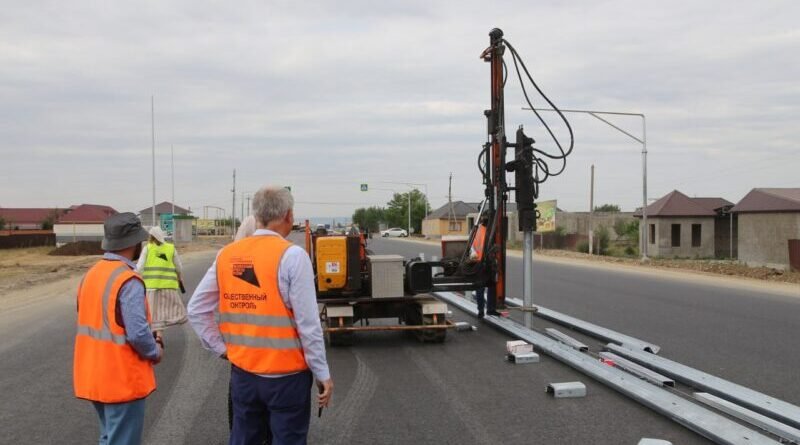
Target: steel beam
(638, 370)
(761, 403)
(751, 417)
(590, 329)
(697, 418)
(566, 339)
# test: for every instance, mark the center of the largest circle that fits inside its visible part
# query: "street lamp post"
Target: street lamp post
(643, 141)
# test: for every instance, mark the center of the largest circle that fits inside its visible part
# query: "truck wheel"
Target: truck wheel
(414, 317)
(340, 338)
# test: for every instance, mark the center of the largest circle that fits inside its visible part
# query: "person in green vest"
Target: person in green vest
(160, 267)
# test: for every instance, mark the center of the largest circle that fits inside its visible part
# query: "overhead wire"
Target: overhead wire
(541, 168)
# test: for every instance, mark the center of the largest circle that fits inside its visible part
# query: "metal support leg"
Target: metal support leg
(527, 264)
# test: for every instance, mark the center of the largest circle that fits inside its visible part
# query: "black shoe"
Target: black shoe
(480, 314)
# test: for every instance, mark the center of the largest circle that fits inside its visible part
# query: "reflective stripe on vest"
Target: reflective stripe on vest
(262, 342)
(102, 335)
(106, 368)
(258, 329)
(159, 267)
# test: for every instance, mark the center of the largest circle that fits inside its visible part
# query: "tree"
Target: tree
(602, 238)
(369, 218)
(397, 210)
(628, 230)
(47, 223)
(2, 223)
(610, 208)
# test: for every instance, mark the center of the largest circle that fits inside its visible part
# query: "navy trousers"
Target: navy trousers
(480, 298)
(281, 405)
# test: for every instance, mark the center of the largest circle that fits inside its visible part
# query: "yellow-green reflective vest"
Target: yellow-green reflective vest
(159, 270)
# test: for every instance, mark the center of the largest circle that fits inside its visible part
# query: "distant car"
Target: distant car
(394, 232)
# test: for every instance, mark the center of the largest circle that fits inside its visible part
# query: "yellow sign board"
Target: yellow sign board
(205, 224)
(546, 222)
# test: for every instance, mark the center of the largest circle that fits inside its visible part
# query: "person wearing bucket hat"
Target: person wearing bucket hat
(161, 269)
(114, 348)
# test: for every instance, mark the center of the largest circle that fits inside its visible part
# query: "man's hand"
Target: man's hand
(160, 354)
(325, 392)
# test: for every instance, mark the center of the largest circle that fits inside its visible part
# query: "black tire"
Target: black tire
(340, 338)
(414, 317)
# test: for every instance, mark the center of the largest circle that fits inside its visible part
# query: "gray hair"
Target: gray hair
(272, 203)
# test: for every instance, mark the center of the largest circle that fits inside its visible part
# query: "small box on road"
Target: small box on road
(566, 390)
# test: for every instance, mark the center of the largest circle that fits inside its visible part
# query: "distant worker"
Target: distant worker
(161, 269)
(114, 348)
(269, 327)
(476, 254)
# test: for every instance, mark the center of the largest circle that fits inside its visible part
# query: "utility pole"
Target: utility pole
(730, 234)
(451, 214)
(591, 213)
(153, 132)
(233, 206)
(248, 204)
(409, 213)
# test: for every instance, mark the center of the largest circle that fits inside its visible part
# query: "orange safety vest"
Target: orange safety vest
(106, 368)
(477, 243)
(258, 329)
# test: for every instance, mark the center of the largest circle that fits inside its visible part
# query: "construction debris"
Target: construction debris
(518, 347)
(462, 326)
(566, 390)
(646, 441)
(523, 357)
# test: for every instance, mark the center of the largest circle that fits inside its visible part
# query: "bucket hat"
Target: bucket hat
(121, 231)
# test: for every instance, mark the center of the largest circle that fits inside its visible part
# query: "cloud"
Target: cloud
(324, 96)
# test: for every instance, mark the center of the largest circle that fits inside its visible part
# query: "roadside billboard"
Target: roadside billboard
(205, 224)
(546, 222)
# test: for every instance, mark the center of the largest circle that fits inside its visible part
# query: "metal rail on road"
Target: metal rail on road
(566, 339)
(638, 370)
(761, 403)
(790, 434)
(697, 418)
(590, 329)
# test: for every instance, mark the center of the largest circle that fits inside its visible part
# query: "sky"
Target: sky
(324, 96)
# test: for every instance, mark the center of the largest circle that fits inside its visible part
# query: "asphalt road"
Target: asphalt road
(391, 389)
(735, 332)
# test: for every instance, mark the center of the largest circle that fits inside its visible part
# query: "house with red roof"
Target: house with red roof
(769, 227)
(29, 218)
(680, 226)
(82, 223)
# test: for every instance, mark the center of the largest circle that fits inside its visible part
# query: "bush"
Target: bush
(602, 238)
(583, 247)
(560, 237)
(630, 251)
